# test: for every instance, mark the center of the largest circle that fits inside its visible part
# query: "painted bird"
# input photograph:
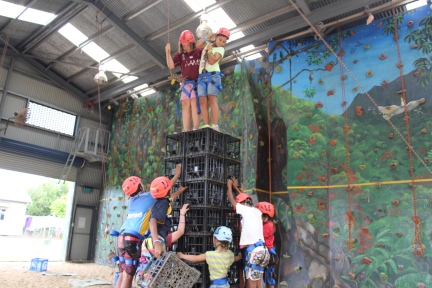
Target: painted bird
(393, 110)
(311, 77)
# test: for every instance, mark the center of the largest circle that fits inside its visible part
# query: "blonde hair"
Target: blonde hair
(181, 50)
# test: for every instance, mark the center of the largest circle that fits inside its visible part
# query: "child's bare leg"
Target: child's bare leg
(186, 114)
(204, 109)
(212, 100)
(195, 116)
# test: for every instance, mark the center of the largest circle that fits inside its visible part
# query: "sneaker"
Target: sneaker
(205, 126)
(215, 127)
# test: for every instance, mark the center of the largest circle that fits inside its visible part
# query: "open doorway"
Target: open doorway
(35, 213)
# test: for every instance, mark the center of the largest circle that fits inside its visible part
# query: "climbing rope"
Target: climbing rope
(358, 83)
(418, 247)
(347, 165)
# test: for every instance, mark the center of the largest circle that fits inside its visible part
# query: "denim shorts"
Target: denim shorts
(226, 285)
(211, 88)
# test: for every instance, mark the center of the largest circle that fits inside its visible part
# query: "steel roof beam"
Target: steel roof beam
(123, 50)
(304, 7)
(45, 31)
(54, 77)
(79, 47)
(142, 9)
(117, 22)
(185, 20)
(30, 4)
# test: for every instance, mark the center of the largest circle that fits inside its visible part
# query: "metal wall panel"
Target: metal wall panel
(85, 122)
(84, 198)
(13, 104)
(30, 165)
(3, 75)
(23, 66)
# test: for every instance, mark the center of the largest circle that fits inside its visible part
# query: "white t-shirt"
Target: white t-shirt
(252, 226)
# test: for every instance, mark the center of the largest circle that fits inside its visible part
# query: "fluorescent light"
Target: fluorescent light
(95, 52)
(72, 34)
(140, 87)
(10, 10)
(253, 56)
(127, 79)
(147, 92)
(222, 19)
(37, 16)
(415, 4)
(247, 48)
(236, 36)
(199, 5)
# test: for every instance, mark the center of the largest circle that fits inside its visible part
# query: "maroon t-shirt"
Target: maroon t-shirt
(189, 63)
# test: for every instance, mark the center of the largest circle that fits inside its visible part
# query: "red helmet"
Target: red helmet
(266, 208)
(242, 197)
(130, 185)
(160, 187)
(186, 37)
(223, 31)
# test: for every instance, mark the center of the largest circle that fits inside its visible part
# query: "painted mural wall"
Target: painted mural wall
(353, 201)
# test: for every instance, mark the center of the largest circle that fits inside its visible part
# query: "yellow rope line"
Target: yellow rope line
(319, 187)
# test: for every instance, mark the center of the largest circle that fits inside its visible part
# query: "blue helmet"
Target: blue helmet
(223, 233)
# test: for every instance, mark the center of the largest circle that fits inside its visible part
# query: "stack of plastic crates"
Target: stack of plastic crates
(169, 271)
(208, 158)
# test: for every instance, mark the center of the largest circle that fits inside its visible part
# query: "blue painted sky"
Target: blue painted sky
(367, 59)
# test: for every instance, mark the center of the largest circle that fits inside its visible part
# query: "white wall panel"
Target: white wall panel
(24, 164)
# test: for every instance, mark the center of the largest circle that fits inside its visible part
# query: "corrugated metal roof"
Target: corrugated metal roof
(148, 31)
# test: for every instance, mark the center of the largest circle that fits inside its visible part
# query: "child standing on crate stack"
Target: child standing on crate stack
(209, 80)
(267, 210)
(133, 230)
(188, 58)
(219, 260)
(255, 253)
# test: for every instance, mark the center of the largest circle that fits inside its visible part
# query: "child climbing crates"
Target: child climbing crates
(169, 271)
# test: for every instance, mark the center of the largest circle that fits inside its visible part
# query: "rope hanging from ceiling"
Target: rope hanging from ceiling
(418, 246)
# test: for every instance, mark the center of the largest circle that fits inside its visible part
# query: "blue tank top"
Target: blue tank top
(138, 214)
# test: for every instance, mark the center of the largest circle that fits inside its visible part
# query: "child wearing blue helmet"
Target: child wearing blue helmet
(218, 260)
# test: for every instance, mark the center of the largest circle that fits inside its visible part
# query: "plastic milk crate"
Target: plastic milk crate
(174, 145)
(204, 167)
(196, 244)
(39, 264)
(204, 141)
(204, 192)
(232, 168)
(170, 167)
(169, 271)
(232, 147)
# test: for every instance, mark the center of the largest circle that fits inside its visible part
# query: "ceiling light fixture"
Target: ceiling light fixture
(100, 77)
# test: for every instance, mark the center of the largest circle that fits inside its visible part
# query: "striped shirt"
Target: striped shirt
(218, 263)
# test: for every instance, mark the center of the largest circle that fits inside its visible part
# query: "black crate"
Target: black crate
(174, 145)
(196, 244)
(204, 279)
(214, 218)
(204, 192)
(204, 141)
(170, 167)
(232, 168)
(195, 221)
(178, 201)
(232, 220)
(204, 167)
(232, 147)
(234, 274)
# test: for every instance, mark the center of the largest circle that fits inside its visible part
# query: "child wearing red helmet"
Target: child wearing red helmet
(209, 80)
(255, 253)
(133, 229)
(188, 58)
(160, 224)
(267, 210)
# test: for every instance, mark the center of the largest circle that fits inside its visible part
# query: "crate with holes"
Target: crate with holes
(204, 167)
(204, 193)
(174, 146)
(170, 168)
(232, 147)
(204, 141)
(169, 271)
